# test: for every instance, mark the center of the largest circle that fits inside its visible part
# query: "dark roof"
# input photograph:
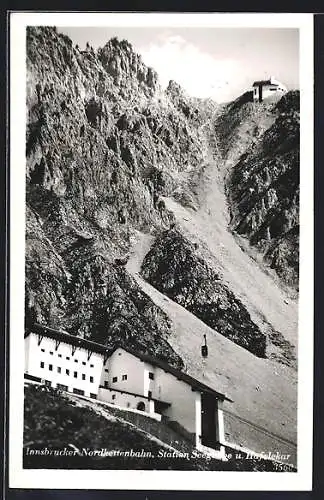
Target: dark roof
(194, 383)
(264, 82)
(68, 338)
(101, 349)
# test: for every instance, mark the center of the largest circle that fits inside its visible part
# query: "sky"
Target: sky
(220, 63)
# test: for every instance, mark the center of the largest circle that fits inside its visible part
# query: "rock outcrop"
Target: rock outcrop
(175, 268)
(263, 191)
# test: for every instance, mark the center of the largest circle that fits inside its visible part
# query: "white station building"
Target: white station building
(267, 89)
(129, 379)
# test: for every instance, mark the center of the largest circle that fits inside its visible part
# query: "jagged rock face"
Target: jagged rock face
(92, 143)
(103, 144)
(119, 61)
(263, 190)
(46, 275)
(174, 267)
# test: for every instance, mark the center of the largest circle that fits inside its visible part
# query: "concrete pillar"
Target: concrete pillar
(146, 382)
(220, 422)
(151, 406)
(198, 418)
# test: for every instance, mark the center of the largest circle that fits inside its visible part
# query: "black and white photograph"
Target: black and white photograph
(161, 301)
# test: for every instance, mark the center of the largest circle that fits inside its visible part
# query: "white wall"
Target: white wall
(35, 354)
(125, 400)
(168, 388)
(269, 91)
(164, 387)
(272, 91)
(185, 403)
(123, 363)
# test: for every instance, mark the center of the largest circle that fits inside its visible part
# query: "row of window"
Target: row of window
(67, 371)
(68, 358)
(124, 377)
(65, 388)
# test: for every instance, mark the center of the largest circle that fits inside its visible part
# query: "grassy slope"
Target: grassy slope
(67, 422)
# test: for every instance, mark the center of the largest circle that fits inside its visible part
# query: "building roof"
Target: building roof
(270, 81)
(104, 350)
(194, 383)
(264, 82)
(68, 338)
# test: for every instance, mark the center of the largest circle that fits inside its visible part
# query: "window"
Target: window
(51, 352)
(114, 379)
(67, 372)
(113, 396)
(48, 383)
(106, 384)
(91, 366)
(106, 370)
(75, 374)
(83, 376)
(43, 350)
(128, 404)
(151, 375)
(124, 377)
(60, 355)
(67, 357)
(149, 395)
(50, 367)
(91, 379)
(78, 391)
(59, 370)
(76, 361)
(93, 396)
(84, 363)
(42, 364)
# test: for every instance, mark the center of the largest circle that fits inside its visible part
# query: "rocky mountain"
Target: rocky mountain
(263, 184)
(97, 165)
(153, 217)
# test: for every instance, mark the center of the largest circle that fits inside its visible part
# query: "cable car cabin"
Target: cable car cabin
(204, 351)
(204, 348)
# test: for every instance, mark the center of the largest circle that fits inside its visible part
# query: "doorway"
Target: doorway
(208, 421)
(260, 93)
